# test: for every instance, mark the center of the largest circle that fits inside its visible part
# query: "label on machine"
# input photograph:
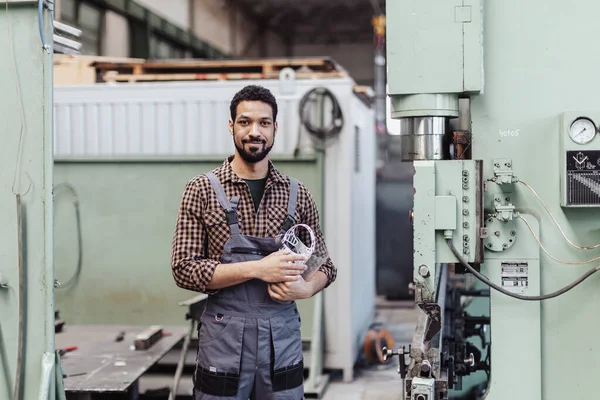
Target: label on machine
(583, 177)
(514, 275)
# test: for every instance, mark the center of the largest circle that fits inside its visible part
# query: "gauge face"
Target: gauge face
(582, 130)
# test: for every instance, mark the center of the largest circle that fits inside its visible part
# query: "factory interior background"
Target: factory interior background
(415, 125)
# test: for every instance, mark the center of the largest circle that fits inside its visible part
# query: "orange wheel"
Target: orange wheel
(375, 341)
(370, 345)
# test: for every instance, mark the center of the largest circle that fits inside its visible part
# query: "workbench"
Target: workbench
(101, 366)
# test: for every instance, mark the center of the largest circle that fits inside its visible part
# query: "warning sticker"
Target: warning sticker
(514, 275)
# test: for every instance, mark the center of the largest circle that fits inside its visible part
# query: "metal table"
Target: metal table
(102, 366)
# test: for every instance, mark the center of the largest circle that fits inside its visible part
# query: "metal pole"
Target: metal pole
(380, 74)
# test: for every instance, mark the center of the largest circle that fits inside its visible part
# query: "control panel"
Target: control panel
(580, 160)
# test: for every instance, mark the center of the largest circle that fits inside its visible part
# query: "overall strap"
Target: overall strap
(230, 207)
(289, 219)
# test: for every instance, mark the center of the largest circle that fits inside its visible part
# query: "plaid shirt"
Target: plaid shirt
(201, 229)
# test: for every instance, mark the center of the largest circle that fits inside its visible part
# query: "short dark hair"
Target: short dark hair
(253, 93)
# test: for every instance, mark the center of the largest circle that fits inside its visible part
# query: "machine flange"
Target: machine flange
(501, 234)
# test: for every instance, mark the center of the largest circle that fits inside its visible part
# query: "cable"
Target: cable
(556, 222)
(491, 284)
(325, 133)
(79, 238)
(550, 255)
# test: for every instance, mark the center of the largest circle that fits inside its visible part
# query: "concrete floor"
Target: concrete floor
(380, 382)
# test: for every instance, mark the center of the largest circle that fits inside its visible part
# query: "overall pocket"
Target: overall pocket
(287, 364)
(219, 354)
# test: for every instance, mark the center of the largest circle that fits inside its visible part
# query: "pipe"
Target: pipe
(45, 46)
(21, 328)
(48, 362)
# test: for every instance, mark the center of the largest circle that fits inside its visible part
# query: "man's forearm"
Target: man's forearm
(317, 282)
(226, 275)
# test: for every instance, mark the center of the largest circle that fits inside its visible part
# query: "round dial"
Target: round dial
(582, 130)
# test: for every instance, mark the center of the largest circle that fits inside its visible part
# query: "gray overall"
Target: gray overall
(249, 345)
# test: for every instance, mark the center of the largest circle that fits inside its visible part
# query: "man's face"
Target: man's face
(253, 130)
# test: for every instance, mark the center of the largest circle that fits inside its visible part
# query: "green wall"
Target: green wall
(128, 210)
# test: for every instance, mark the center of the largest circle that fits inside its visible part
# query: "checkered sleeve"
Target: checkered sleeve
(310, 217)
(191, 269)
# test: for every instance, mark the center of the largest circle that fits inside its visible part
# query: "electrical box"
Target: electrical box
(580, 159)
(435, 46)
(448, 195)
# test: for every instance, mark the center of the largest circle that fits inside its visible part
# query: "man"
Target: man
(227, 243)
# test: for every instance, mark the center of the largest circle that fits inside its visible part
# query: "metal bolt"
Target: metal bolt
(466, 251)
(507, 199)
(465, 186)
(466, 225)
(513, 233)
(465, 244)
(425, 367)
(465, 173)
(465, 179)
(497, 233)
(414, 386)
(424, 271)
(508, 164)
(470, 361)
(505, 245)
(466, 238)
(465, 212)
(465, 199)
(497, 165)
(489, 245)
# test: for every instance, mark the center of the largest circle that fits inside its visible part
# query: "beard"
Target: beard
(257, 152)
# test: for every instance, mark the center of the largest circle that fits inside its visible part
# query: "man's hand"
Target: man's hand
(290, 291)
(298, 289)
(280, 267)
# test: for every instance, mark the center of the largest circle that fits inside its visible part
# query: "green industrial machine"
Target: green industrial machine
(27, 356)
(501, 122)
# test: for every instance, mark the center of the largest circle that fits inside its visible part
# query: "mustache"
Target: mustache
(254, 140)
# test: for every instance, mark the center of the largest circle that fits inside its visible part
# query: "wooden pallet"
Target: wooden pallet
(91, 69)
(112, 77)
(263, 65)
(194, 70)
(77, 70)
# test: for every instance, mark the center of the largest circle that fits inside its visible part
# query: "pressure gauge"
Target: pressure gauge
(582, 130)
